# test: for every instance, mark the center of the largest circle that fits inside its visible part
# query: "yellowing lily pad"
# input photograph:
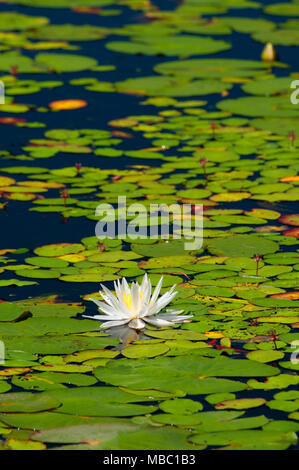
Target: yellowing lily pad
(67, 104)
(59, 249)
(240, 404)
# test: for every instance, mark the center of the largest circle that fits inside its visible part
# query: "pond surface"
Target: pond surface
(162, 102)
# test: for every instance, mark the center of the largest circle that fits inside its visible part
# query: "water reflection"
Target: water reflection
(125, 334)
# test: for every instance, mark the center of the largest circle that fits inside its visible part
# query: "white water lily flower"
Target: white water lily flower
(135, 306)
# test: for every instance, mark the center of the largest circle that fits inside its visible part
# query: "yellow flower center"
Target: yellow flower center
(128, 299)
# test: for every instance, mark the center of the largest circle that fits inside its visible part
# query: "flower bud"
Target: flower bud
(269, 53)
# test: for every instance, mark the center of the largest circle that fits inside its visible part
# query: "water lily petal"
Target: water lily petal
(156, 292)
(111, 324)
(174, 318)
(158, 321)
(162, 302)
(104, 317)
(109, 297)
(106, 308)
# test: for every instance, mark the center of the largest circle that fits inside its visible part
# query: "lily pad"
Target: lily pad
(59, 249)
(139, 374)
(174, 45)
(26, 402)
(242, 245)
(99, 401)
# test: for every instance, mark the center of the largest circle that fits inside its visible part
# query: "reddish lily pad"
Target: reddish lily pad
(293, 232)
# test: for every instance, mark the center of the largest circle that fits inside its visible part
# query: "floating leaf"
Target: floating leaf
(174, 376)
(67, 104)
(58, 249)
(173, 45)
(26, 402)
(145, 350)
(244, 439)
(99, 401)
(181, 406)
(240, 404)
(242, 245)
(265, 356)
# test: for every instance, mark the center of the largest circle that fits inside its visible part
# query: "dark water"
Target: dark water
(22, 228)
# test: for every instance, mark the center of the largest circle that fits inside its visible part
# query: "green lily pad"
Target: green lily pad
(10, 311)
(276, 382)
(176, 335)
(181, 406)
(283, 9)
(166, 87)
(100, 401)
(58, 344)
(68, 32)
(46, 420)
(167, 261)
(38, 273)
(46, 61)
(216, 291)
(283, 405)
(16, 282)
(242, 245)
(65, 62)
(174, 45)
(92, 277)
(173, 376)
(214, 68)
(40, 309)
(39, 326)
(265, 356)
(255, 106)
(4, 386)
(247, 439)
(161, 248)
(26, 402)
(145, 350)
(45, 262)
(125, 436)
(268, 87)
(14, 21)
(52, 380)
